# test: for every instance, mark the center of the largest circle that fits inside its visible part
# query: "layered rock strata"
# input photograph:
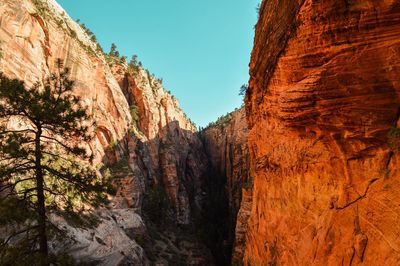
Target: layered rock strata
(143, 139)
(323, 110)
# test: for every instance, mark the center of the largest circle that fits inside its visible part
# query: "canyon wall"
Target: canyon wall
(323, 115)
(143, 139)
(226, 148)
(173, 152)
(33, 36)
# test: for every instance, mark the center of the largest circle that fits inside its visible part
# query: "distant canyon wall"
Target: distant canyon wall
(229, 184)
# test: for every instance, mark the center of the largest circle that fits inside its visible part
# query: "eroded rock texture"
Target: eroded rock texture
(323, 110)
(143, 139)
(33, 37)
(172, 154)
(226, 148)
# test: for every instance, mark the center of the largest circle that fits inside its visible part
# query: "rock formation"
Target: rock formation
(143, 139)
(323, 110)
(169, 139)
(226, 147)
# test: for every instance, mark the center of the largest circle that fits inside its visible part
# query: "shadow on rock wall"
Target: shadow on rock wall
(168, 181)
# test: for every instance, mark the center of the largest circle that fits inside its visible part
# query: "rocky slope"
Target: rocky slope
(225, 144)
(143, 139)
(323, 110)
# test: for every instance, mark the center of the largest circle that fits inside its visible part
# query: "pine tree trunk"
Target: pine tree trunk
(43, 248)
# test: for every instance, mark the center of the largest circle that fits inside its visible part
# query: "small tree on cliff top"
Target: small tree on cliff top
(113, 51)
(243, 89)
(37, 167)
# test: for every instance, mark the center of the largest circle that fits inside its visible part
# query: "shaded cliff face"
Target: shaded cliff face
(172, 156)
(323, 110)
(143, 139)
(226, 148)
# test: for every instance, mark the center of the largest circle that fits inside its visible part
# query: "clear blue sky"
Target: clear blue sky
(201, 48)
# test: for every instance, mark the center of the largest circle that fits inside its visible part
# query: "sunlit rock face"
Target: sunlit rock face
(175, 157)
(31, 39)
(226, 147)
(111, 242)
(323, 96)
(153, 153)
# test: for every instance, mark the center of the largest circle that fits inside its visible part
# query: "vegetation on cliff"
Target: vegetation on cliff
(88, 43)
(221, 121)
(39, 167)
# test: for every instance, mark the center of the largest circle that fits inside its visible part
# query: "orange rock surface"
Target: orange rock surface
(30, 42)
(323, 111)
(142, 135)
(173, 154)
(33, 37)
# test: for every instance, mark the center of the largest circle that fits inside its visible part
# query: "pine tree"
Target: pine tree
(134, 61)
(41, 160)
(133, 65)
(113, 51)
(243, 89)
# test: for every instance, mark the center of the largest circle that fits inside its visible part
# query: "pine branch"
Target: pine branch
(66, 177)
(66, 147)
(17, 131)
(18, 233)
(15, 169)
(57, 156)
(14, 184)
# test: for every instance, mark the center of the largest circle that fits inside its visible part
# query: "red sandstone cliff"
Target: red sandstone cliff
(33, 36)
(174, 151)
(323, 110)
(142, 136)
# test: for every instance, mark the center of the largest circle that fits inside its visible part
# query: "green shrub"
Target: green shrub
(134, 110)
(42, 8)
(221, 121)
(134, 66)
